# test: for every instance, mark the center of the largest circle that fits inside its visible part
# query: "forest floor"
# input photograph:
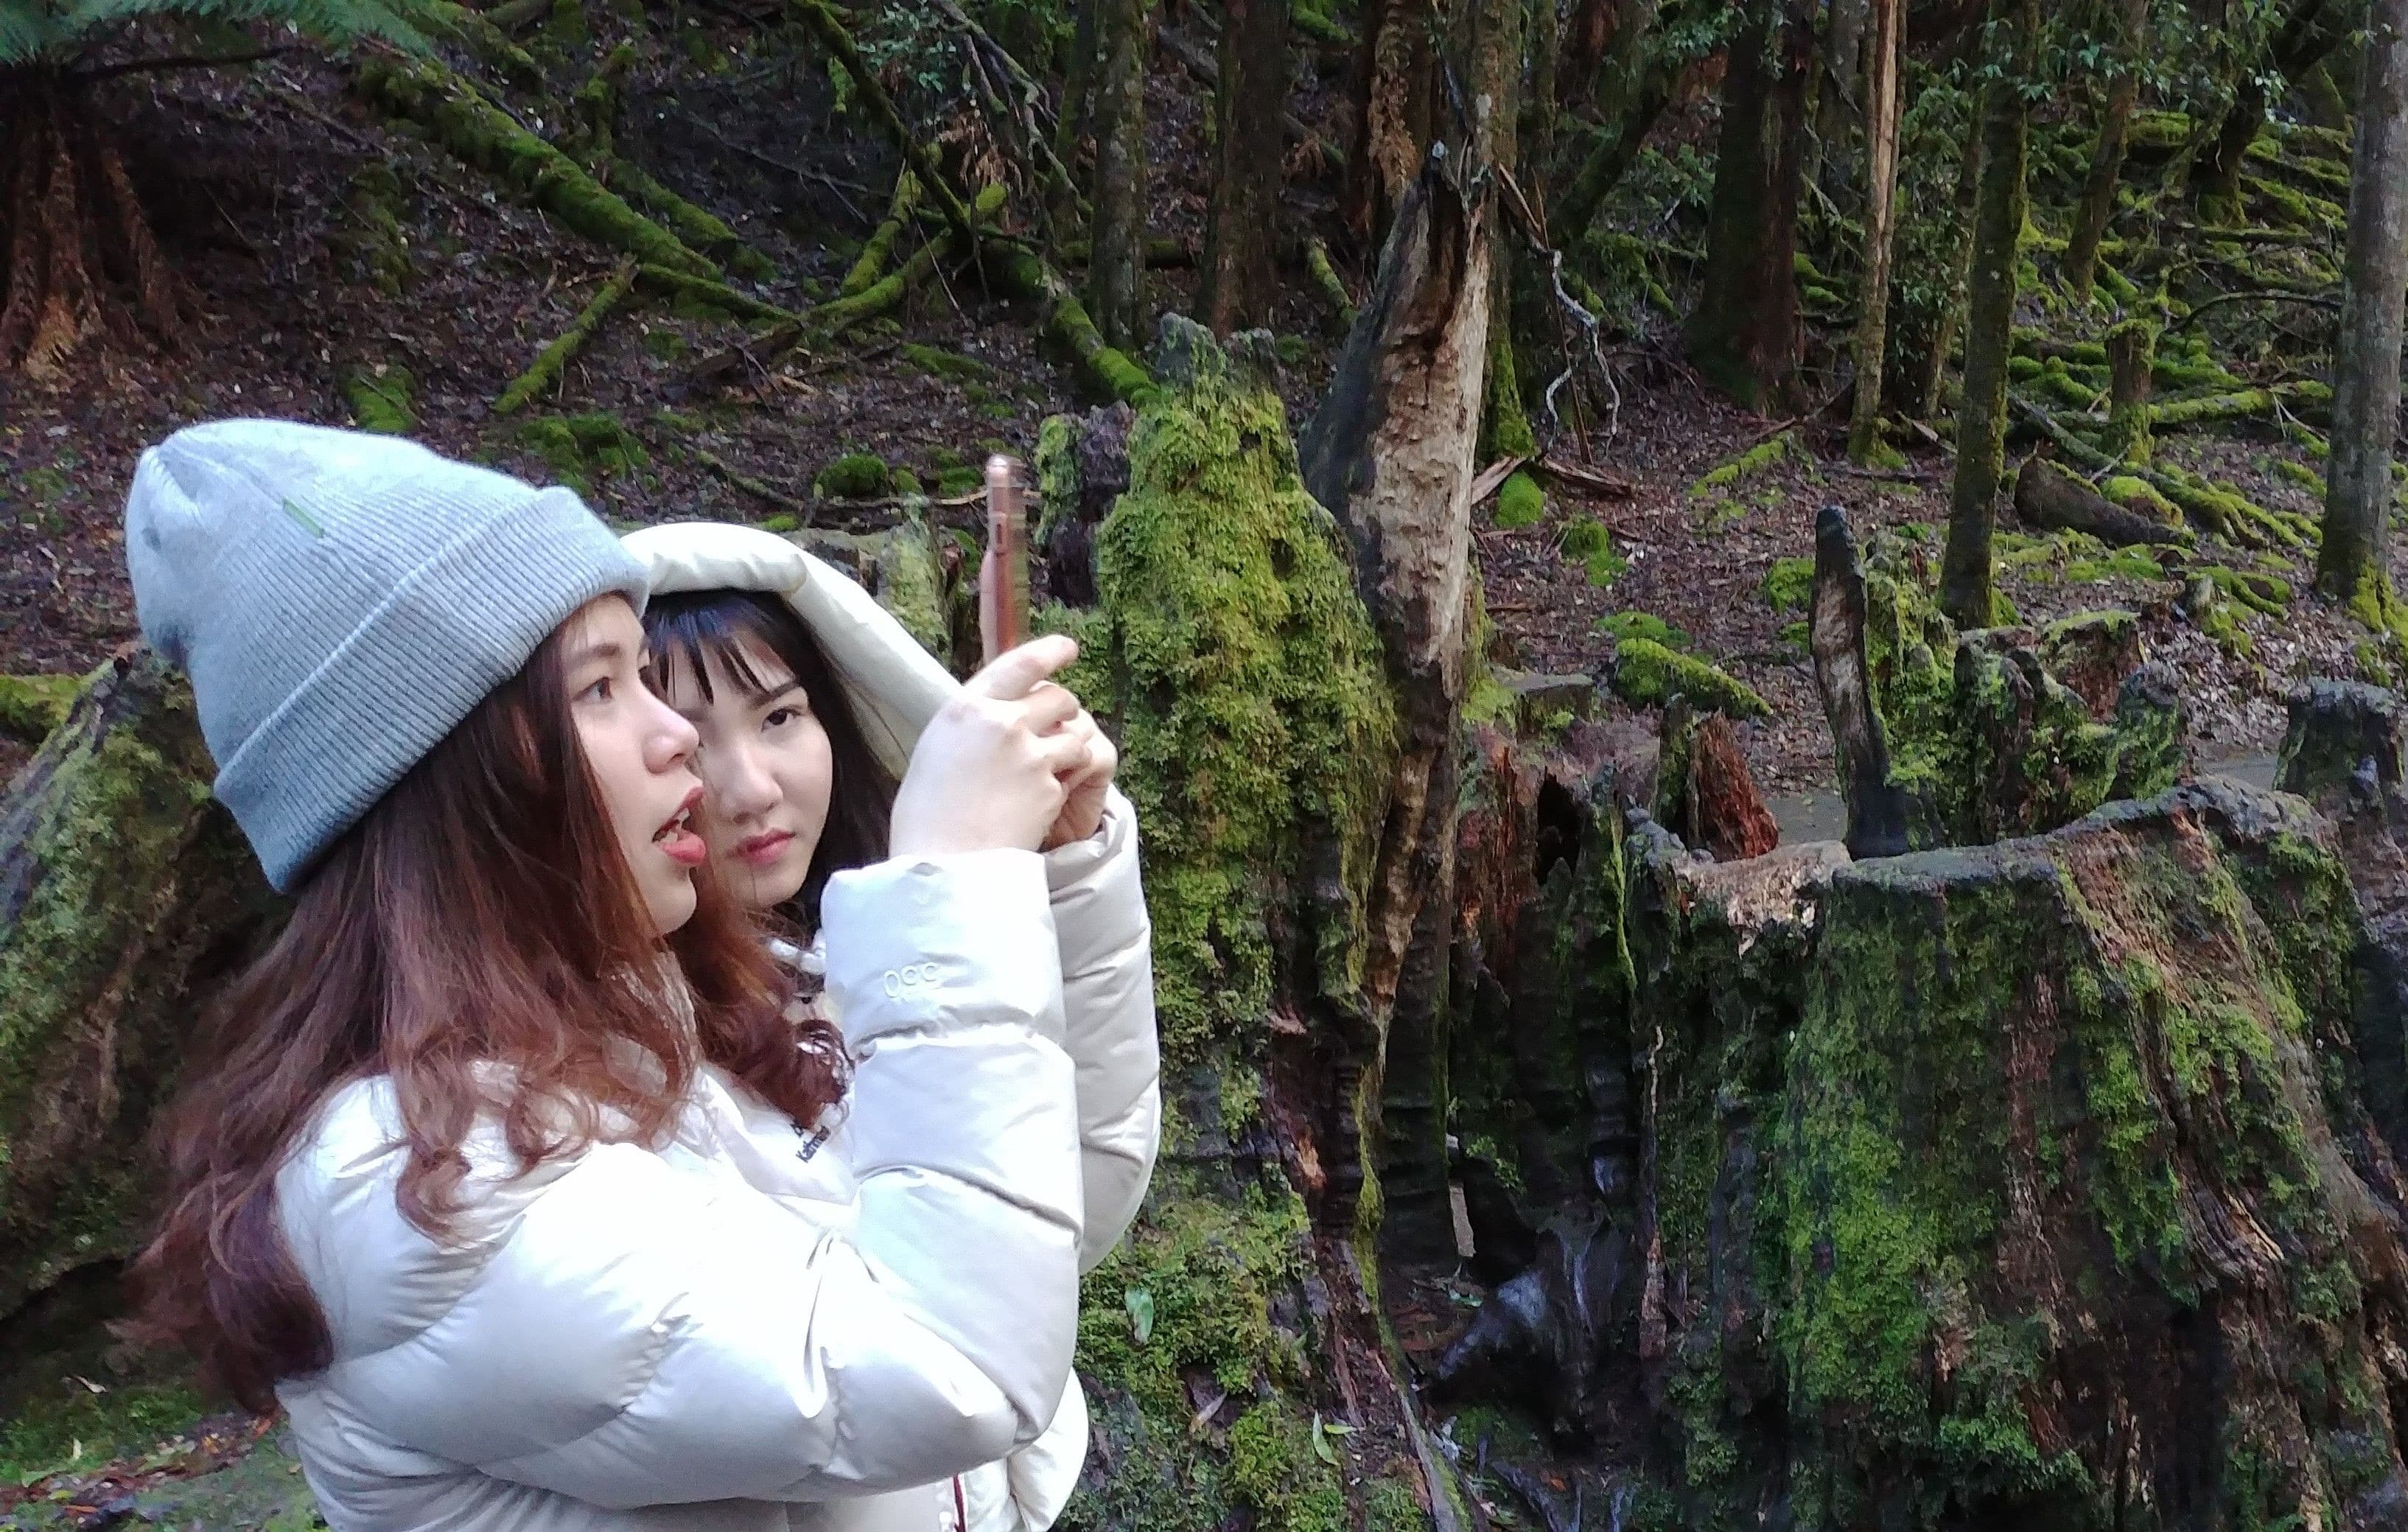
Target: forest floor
(250, 177)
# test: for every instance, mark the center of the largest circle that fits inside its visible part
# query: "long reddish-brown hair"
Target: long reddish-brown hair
(481, 914)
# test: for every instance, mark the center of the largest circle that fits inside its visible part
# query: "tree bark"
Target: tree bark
(1960, 258)
(2131, 374)
(2374, 277)
(1838, 98)
(1884, 41)
(2307, 34)
(1242, 223)
(2098, 205)
(1396, 110)
(1745, 335)
(1389, 452)
(1115, 286)
(2048, 497)
(1965, 593)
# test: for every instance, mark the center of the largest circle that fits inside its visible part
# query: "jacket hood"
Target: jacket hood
(895, 686)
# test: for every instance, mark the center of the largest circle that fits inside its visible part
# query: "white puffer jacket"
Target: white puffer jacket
(754, 1329)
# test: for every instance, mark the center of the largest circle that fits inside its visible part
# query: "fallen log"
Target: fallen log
(458, 116)
(545, 369)
(2048, 497)
(880, 248)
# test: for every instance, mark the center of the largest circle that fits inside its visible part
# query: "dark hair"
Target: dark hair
(482, 912)
(692, 631)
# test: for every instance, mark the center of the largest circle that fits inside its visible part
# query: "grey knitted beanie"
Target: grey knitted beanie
(342, 601)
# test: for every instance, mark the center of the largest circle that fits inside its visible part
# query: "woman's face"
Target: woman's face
(641, 754)
(766, 774)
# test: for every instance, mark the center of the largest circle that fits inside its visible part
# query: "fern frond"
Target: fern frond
(28, 29)
(337, 22)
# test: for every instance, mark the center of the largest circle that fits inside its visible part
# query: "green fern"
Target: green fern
(45, 32)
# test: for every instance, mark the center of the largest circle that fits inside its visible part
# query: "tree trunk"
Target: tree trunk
(125, 892)
(1838, 101)
(2097, 204)
(1115, 287)
(1884, 40)
(1396, 111)
(1073, 121)
(1632, 86)
(1389, 452)
(1961, 260)
(2366, 359)
(2131, 375)
(2307, 34)
(1241, 226)
(77, 259)
(1965, 593)
(1745, 335)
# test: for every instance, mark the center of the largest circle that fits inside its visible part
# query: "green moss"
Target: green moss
(854, 476)
(1246, 683)
(2136, 494)
(953, 366)
(1647, 675)
(380, 397)
(2122, 564)
(2301, 475)
(1520, 502)
(781, 524)
(1732, 472)
(1274, 1470)
(372, 232)
(952, 483)
(583, 451)
(1624, 627)
(1592, 543)
(2255, 588)
(32, 706)
(1789, 584)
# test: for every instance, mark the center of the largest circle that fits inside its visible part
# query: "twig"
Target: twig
(1534, 230)
(800, 172)
(1485, 483)
(752, 486)
(1588, 478)
(2320, 300)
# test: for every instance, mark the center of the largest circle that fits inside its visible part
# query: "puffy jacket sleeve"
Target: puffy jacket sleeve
(1107, 945)
(629, 1332)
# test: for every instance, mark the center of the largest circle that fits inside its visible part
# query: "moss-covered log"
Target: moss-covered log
(2048, 497)
(545, 369)
(124, 891)
(459, 117)
(1105, 371)
(879, 249)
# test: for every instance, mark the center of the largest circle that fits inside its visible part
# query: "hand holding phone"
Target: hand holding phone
(1003, 574)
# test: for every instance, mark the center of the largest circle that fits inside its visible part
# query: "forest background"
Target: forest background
(1792, 421)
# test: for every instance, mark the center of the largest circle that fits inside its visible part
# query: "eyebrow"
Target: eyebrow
(606, 651)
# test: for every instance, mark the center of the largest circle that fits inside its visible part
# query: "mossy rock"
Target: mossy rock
(1624, 627)
(854, 476)
(1590, 541)
(131, 880)
(1647, 675)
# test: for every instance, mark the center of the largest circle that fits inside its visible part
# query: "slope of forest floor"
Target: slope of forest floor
(253, 206)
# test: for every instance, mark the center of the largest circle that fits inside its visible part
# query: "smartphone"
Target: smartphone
(1004, 616)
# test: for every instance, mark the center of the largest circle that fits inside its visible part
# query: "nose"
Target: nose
(740, 784)
(671, 741)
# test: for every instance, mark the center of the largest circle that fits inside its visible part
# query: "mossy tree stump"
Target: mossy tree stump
(2039, 1183)
(1229, 652)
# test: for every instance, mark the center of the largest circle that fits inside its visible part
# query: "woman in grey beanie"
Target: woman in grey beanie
(499, 1170)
